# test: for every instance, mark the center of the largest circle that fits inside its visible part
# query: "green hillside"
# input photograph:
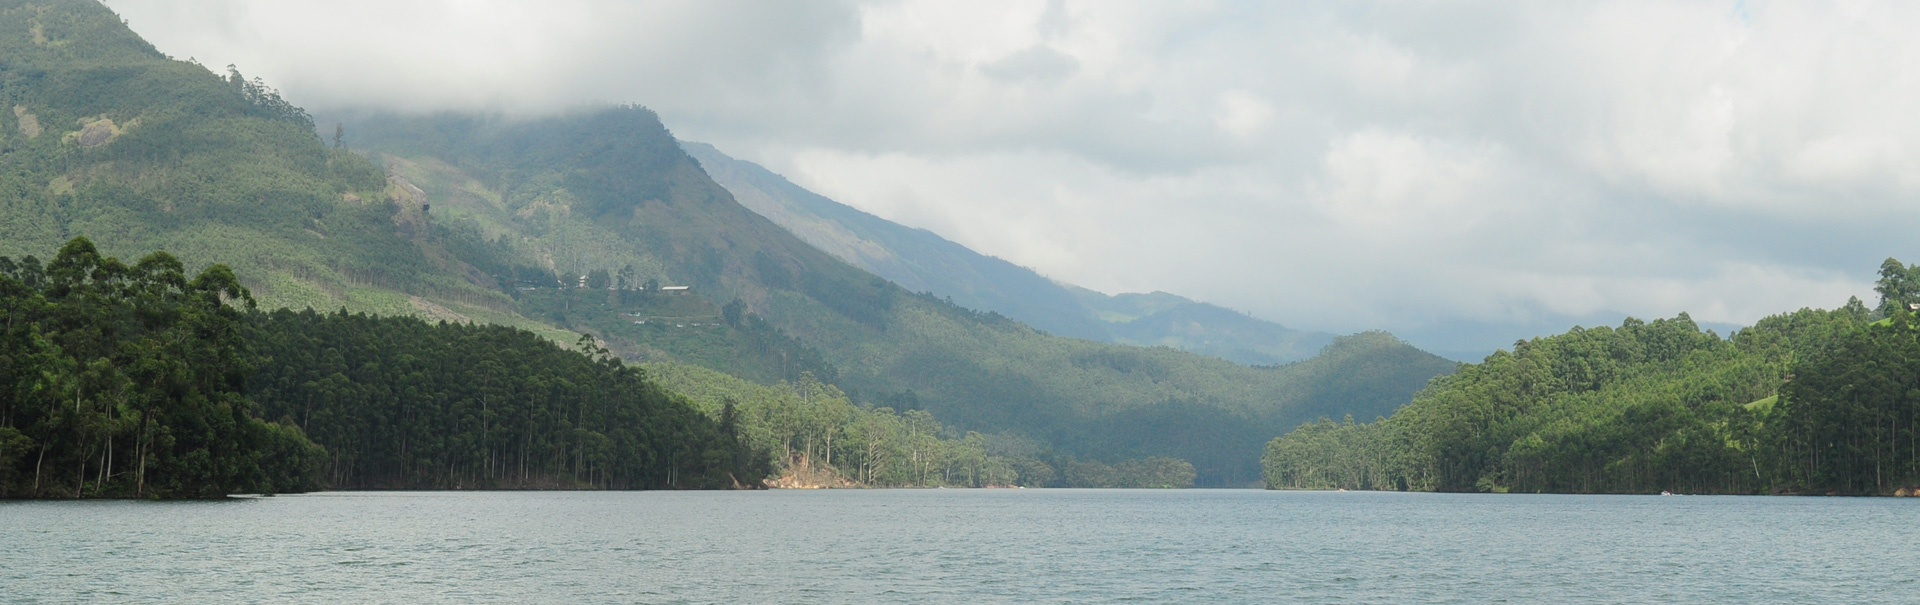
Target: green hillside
(1807, 402)
(133, 380)
(921, 261)
(611, 191)
(1811, 401)
(106, 137)
(464, 218)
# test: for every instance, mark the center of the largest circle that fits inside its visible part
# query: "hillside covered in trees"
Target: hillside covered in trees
(472, 218)
(400, 403)
(105, 137)
(1806, 402)
(135, 381)
(610, 192)
(819, 437)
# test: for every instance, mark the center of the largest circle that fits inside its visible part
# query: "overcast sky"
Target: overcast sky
(1461, 173)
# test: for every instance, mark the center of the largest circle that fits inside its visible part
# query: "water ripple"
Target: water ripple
(940, 546)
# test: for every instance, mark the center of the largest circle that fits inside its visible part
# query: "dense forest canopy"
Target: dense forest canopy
(120, 380)
(402, 403)
(134, 381)
(1806, 402)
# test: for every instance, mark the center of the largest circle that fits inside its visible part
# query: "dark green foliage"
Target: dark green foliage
(1807, 401)
(1849, 421)
(121, 381)
(404, 404)
(135, 381)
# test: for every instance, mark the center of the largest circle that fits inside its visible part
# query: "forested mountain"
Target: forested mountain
(589, 221)
(1807, 402)
(610, 192)
(106, 137)
(922, 261)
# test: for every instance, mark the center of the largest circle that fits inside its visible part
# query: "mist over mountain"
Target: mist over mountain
(609, 190)
(1463, 176)
(922, 261)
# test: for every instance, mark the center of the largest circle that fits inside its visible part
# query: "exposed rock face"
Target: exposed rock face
(97, 133)
(802, 474)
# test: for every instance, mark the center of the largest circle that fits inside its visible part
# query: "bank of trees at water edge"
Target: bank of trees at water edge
(1807, 402)
(122, 380)
(819, 437)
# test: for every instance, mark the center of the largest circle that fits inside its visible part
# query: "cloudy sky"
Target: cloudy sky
(1461, 173)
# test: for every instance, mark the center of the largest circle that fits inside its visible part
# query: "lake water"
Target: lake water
(948, 546)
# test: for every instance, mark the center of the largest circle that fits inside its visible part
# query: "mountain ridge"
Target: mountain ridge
(888, 346)
(482, 218)
(921, 260)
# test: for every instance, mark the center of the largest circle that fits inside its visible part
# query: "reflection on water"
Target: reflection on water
(943, 546)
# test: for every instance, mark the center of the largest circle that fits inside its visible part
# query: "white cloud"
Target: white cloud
(1243, 115)
(1504, 165)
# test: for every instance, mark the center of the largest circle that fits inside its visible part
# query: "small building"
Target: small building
(676, 289)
